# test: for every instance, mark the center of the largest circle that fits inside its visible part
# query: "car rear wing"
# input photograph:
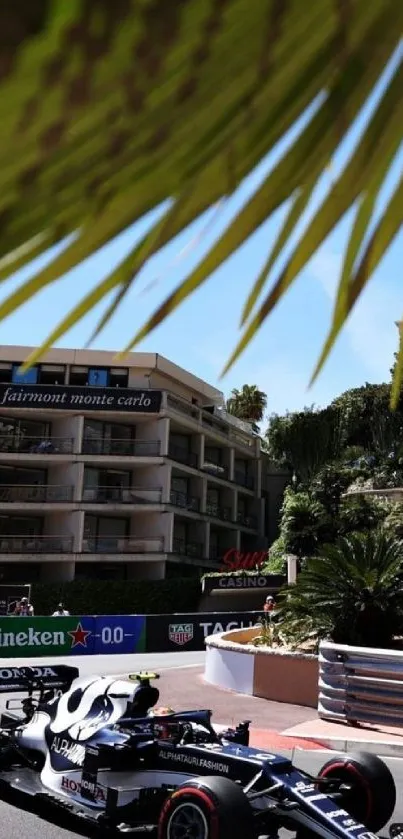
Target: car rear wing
(45, 676)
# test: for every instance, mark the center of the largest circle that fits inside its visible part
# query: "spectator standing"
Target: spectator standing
(269, 605)
(61, 612)
(24, 609)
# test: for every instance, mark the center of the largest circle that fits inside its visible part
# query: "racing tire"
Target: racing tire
(207, 808)
(371, 796)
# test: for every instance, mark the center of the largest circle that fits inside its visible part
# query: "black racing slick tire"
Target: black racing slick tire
(368, 792)
(207, 808)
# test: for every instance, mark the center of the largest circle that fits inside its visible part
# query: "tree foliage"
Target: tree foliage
(337, 455)
(247, 404)
(352, 593)
(113, 109)
(304, 524)
(305, 440)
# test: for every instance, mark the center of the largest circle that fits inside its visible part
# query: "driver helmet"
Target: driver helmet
(161, 712)
(163, 731)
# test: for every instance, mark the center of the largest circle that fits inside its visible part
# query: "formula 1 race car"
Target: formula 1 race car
(98, 748)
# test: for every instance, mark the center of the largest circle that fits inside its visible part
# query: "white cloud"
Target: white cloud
(371, 326)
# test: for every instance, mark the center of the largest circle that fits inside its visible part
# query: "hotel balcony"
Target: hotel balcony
(35, 448)
(122, 495)
(215, 511)
(249, 521)
(192, 550)
(117, 448)
(246, 481)
(218, 425)
(36, 545)
(116, 545)
(186, 502)
(216, 470)
(182, 455)
(26, 497)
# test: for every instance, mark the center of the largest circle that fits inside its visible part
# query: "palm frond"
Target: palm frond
(110, 109)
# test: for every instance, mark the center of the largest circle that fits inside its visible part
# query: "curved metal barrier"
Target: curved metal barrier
(360, 684)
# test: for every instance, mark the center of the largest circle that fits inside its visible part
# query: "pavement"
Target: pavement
(382, 740)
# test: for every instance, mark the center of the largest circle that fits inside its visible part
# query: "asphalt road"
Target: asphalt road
(24, 825)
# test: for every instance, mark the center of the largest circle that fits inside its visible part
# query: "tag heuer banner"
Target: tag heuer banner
(170, 633)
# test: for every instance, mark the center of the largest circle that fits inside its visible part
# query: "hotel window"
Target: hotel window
(52, 374)
(6, 373)
(98, 377)
(30, 377)
(118, 377)
(79, 376)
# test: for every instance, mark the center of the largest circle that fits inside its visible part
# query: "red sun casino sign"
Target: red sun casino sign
(239, 561)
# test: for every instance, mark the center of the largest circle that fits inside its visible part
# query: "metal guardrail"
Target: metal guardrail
(360, 684)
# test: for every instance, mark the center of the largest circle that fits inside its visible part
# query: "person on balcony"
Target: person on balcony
(61, 612)
(24, 609)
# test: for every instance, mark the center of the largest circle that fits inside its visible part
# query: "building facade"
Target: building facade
(120, 472)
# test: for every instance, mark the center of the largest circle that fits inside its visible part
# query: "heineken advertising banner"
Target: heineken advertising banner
(120, 634)
(78, 635)
(114, 634)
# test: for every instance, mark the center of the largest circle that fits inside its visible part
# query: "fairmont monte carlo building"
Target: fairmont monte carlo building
(122, 472)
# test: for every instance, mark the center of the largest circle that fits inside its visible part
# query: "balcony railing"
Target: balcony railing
(247, 521)
(217, 512)
(121, 495)
(36, 445)
(36, 494)
(119, 545)
(212, 422)
(190, 549)
(182, 455)
(216, 469)
(243, 480)
(122, 448)
(183, 407)
(187, 502)
(36, 544)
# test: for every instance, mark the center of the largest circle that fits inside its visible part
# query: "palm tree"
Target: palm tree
(116, 109)
(248, 404)
(351, 593)
(304, 523)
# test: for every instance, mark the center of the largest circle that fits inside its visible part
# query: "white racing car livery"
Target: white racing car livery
(97, 748)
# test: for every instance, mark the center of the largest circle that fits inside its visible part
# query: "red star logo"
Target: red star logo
(79, 636)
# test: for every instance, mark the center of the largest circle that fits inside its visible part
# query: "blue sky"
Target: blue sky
(201, 334)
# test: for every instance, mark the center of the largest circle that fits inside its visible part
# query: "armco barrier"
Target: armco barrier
(360, 684)
(114, 634)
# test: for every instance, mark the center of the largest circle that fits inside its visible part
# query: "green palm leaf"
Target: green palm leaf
(109, 109)
(352, 592)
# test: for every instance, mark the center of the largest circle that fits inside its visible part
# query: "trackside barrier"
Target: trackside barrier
(114, 634)
(360, 684)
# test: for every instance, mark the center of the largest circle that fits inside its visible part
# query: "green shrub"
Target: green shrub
(359, 514)
(118, 597)
(304, 524)
(276, 563)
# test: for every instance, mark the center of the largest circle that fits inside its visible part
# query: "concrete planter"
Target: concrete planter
(276, 674)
